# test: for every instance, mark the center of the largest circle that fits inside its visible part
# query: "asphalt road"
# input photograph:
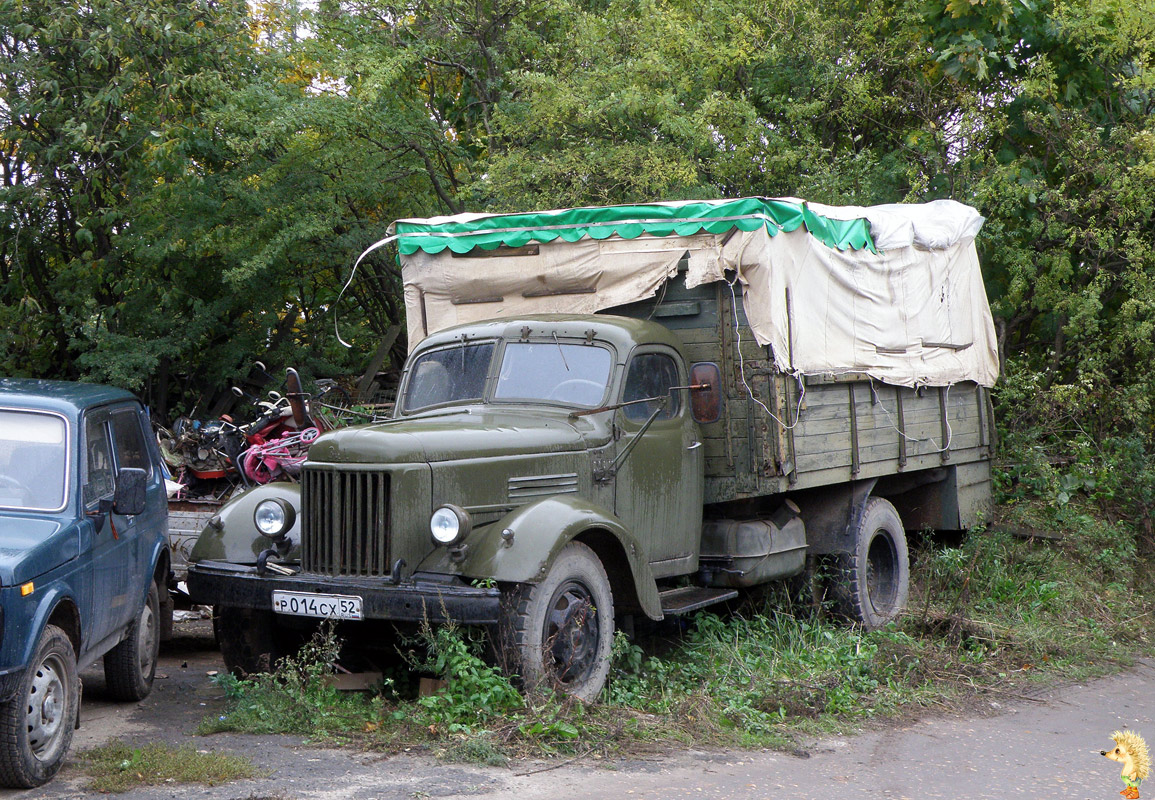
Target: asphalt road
(1045, 746)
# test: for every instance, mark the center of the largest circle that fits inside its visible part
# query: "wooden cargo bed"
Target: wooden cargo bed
(779, 433)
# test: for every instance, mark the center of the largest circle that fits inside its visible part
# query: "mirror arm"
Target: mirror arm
(101, 513)
(612, 470)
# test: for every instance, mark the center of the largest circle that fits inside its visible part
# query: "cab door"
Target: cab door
(658, 489)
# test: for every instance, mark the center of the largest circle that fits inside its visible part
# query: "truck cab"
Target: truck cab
(513, 444)
(83, 555)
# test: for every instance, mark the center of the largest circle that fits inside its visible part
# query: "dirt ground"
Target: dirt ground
(1038, 746)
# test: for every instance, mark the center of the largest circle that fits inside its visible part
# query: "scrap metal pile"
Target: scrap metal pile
(209, 459)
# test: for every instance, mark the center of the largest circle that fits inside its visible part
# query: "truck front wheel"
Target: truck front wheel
(558, 634)
(36, 723)
(874, 579)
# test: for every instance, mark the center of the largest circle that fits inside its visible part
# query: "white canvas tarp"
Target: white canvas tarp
(914, 313)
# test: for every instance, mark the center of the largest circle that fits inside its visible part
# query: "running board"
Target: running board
(685, 599)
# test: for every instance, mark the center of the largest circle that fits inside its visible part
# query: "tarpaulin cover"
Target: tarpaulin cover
(891, 291)
(463, 232)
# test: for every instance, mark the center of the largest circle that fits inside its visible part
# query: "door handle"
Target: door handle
(694, 446)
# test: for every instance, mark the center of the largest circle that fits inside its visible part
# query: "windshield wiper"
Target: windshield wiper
(560, 352)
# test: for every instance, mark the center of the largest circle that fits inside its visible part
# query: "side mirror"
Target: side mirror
(130, 495)
(705, 392)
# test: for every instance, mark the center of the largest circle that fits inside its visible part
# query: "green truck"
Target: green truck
(632, 410)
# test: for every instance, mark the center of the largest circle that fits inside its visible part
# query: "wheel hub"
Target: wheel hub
(572, 633)
(148, 635)
(882, 573)
(46, 703)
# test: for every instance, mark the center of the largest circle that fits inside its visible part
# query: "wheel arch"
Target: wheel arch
(538, 532)
(66, 616)
(832, 513)
(161, 571)
(609, 550)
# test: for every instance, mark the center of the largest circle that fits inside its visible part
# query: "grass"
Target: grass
(117, 766)
(989, 617)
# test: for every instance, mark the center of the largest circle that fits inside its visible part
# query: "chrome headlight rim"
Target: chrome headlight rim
(274, 517)
(449, 524)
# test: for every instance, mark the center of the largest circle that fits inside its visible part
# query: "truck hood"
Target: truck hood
(473, 433)
(30, 547)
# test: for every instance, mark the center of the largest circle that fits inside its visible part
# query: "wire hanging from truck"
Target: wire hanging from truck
(352, 274)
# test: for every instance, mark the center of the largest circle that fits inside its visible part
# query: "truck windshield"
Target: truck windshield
(572, 374)
(33, 461)
(450, 375)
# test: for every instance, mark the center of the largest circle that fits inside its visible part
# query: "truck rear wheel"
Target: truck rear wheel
(129, 667)
(558, 634)
(36, 723)
(874, 579)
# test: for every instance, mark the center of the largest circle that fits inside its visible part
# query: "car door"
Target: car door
(112, 439)
(658, 490)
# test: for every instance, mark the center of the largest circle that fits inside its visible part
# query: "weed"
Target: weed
(297, 697)
(118, 766)
(480, 749)
(475, 692)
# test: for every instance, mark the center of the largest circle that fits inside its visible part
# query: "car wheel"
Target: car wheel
(129, 667)
(873, 581)
(558, 634)
(36, 723)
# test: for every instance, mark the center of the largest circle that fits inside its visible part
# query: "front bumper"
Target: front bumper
(423, 597)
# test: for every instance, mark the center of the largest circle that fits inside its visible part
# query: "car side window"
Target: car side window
(651, 375)
(130, 444)
(99, 481)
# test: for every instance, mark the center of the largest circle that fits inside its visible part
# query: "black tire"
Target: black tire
(558, 634)
(873, 581)
(129, 667)
(36, 723)
(248, 640)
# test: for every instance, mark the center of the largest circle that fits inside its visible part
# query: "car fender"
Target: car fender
(46, 606)
(521, 547)
(159, 551)
(232, 535)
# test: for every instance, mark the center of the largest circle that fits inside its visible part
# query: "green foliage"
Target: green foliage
(475, 692)
(751, 673)
(1071, 602)
(297, 697)
(184, 194)
(1057, 448)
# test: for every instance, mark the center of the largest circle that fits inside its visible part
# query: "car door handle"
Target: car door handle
(694, 446)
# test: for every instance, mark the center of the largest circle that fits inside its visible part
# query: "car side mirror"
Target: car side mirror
(130, 495)
(705, 392)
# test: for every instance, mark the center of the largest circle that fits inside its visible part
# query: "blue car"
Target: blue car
(83, 561)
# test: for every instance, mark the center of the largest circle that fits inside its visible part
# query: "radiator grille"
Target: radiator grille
(345, 525)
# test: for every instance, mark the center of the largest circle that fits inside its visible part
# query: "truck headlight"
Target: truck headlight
(274, 518)
(450, 524)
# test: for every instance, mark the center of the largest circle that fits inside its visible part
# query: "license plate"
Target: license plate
(308, 604)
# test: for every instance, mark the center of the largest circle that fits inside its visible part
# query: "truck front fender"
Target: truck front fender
(233, 536)
(538, 531)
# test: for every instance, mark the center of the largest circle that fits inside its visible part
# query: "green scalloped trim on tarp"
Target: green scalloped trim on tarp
(629, 222)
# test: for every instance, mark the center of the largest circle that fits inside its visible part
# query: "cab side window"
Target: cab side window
(99, 481)
(651, 375)
(130, 444)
